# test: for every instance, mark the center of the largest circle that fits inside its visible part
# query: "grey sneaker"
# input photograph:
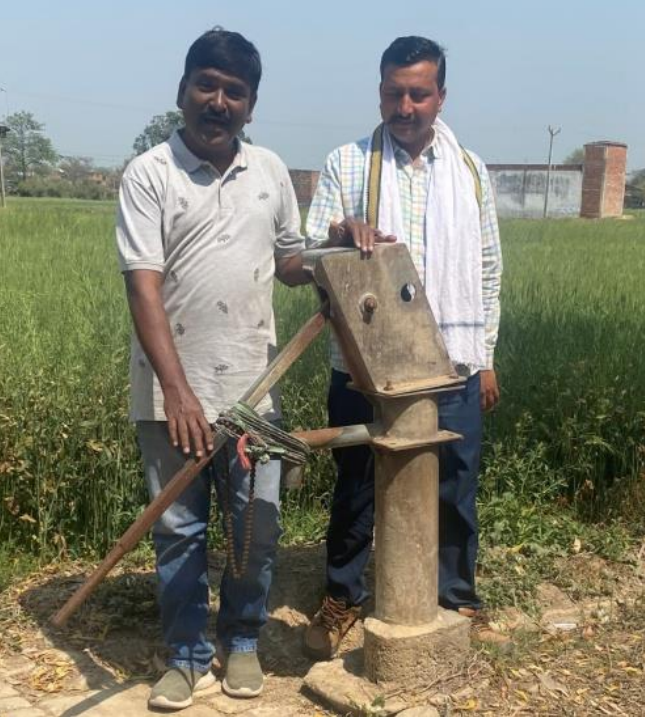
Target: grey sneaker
(244, 676)
(174, 691)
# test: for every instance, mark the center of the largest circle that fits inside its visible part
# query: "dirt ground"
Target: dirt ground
(580, 653)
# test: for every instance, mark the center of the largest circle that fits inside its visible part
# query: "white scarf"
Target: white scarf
(453, 261)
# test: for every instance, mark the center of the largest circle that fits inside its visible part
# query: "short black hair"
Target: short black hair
(226, 51)
(406, 51)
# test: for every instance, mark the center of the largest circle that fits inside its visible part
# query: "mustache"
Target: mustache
(217, 117)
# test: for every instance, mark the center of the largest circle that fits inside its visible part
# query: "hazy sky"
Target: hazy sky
(95, 72)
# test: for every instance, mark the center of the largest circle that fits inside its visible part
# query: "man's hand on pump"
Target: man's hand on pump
(352, 232)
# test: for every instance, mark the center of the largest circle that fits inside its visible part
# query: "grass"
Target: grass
(68, 475)
(563, 453)
(69, 465)
(14, 564)
(569, 357)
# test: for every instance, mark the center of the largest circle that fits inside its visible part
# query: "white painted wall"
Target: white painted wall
(519, 191)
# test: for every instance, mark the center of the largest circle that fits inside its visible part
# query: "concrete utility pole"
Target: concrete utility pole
(6, 102)
(3, 133)
(552, 133)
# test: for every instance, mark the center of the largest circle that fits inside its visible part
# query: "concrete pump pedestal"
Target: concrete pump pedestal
(397, 358)
(415, 654)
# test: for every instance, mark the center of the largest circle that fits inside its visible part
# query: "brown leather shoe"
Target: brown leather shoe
(482, 630)
(329, 626)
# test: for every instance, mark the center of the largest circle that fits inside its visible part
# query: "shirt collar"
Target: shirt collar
(191, 162)
(429, 153)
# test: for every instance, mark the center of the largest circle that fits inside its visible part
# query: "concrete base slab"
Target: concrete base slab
(337, 684)
(419, 654)
(120, 700)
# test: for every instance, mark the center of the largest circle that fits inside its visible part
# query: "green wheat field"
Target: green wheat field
(567, 440)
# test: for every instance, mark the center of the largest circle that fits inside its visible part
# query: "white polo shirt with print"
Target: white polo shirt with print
(215, 239)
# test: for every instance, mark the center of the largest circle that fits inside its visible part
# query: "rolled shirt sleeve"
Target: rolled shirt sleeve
(139, 231)
(288, 237)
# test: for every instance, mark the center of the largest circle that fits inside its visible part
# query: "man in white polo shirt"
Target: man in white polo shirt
(205, 223)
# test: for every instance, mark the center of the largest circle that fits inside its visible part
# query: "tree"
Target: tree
(635, 190)
(27, 149)
(158, 130)
(76, 169)
(575, 157)
(638, 177)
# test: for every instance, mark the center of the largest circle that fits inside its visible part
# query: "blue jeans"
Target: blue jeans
(351, 524)
(180, 544)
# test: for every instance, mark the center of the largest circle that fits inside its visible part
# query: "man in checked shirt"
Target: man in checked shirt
(437, 198)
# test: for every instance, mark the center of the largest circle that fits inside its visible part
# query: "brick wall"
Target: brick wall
(304, 182)
(595, 189)
(615, 180)
(603, 182)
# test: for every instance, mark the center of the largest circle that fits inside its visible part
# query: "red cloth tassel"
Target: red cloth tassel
(245, 461)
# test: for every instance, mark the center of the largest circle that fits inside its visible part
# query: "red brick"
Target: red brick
(603, 182)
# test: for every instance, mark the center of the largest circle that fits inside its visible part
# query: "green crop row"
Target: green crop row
(568, 431)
